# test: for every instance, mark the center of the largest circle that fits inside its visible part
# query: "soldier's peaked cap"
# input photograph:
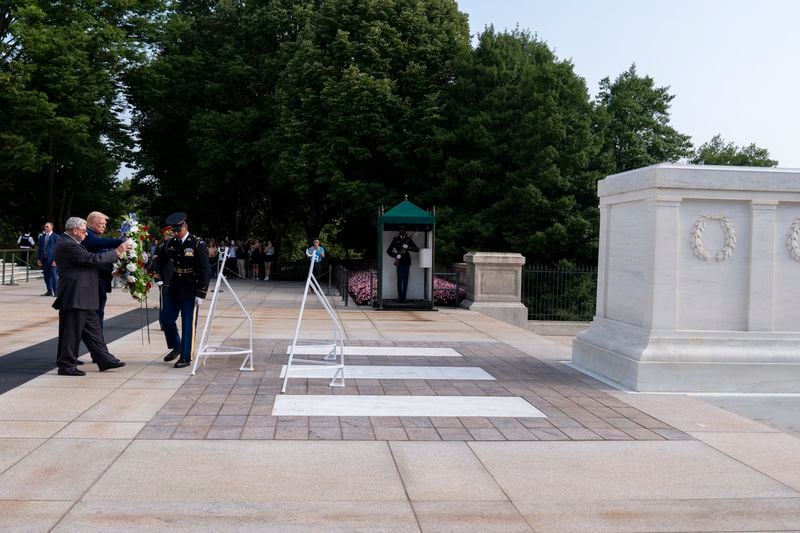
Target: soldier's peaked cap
(175, 219)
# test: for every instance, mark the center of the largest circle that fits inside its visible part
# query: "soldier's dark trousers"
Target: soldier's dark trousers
(402, 281)
(168, 316)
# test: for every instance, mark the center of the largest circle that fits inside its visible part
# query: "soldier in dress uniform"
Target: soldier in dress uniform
(187, 289)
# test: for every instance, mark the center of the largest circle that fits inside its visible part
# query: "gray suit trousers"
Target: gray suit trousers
(75, 325)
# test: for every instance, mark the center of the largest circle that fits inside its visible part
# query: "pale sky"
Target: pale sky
(734, 65)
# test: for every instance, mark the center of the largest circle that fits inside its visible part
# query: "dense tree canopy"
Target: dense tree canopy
(634, 119)
(282, 119)
(61, 133)
(521, 159)
(719, 152)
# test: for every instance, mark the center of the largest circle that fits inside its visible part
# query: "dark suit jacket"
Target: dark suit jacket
(47, 251)
(97, 244)
(77, 274)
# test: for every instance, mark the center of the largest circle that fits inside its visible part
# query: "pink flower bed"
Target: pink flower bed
(359, 288)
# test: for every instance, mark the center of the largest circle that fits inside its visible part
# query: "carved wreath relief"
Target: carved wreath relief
(696, 240)
(793, 240)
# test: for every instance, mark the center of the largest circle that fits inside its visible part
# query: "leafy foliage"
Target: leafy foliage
(61, 132)
(292, 119)
(634, 122)
(521, 157)
(719, 152)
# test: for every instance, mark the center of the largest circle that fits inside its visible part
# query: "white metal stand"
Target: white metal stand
(206, 349)
(335, 356)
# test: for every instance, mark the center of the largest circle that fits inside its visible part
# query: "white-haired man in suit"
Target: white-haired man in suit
(77, 300)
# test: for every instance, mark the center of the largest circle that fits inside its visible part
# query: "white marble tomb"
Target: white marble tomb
(698, 280)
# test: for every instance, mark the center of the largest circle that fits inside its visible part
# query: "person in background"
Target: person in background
(241, 258)
(96, 223)
(213, 256)
(47, 259)
(231, 267)
(269, 258)
(399, 250)
(25, 241)
(255, 260)
(26, 244)
(78, 300)
(187, 289)
(317, 253)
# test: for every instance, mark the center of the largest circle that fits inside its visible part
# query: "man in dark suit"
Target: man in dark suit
(77, 300)
(96, 224)
(47, 260)
(187, 289)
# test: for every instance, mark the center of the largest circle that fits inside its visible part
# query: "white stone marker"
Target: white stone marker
(330, 405)
(494, 286)
(698, 280)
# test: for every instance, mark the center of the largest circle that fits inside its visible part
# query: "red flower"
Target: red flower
(141, 237)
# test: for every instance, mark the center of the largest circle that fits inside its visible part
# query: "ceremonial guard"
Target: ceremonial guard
(187, 289)
(399, 250)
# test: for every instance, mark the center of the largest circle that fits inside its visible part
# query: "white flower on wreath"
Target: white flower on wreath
(131, 267)
(131, 279)
(144, 256)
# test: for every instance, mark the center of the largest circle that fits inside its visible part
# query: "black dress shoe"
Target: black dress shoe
(172, 355)
(70, 372)
(182, 363)
(48, 293)
(79, 362)
(110, 365)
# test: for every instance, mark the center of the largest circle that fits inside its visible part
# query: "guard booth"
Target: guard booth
(420, 226)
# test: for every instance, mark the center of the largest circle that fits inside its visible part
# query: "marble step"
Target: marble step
(469, 373)
(365, 405)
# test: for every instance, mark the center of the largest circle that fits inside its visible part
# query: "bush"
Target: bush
(358, 286)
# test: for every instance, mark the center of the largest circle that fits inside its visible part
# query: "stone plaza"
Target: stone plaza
(677, 413)
(149, 447)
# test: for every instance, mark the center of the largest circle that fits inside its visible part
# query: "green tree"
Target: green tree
(719, 152)
(285, 113)
(360, 106)
(521, 157)
(205, 115)
(60, 87)
(633, 121)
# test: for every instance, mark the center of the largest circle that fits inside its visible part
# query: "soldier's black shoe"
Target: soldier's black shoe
(78, 362)
(110, 365)
(172, 355)
(70, 372)
(48, 293)
(182, 363)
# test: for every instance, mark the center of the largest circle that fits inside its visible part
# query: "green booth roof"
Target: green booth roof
(406, 213)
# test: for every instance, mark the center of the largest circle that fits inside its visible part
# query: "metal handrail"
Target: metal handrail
(23, 256)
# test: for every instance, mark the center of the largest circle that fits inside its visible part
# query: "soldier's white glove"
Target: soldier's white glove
(198, 301)
(405, 247)
(159, 283)
(398, 256)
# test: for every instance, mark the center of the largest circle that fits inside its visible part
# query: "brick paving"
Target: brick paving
(221, 402)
